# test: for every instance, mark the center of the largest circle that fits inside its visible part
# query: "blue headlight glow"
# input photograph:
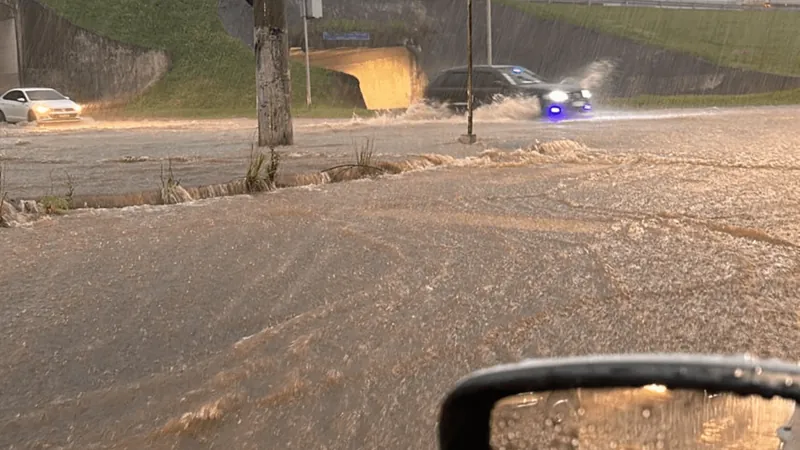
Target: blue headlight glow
(587, 107)
(555, 110)
(516, 70)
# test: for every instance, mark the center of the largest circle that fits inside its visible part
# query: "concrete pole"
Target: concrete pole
(489, 32)
(469, 68)
(273, 82)
(308, 58)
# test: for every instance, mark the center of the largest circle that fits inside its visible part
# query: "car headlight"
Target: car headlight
(558, 96)
(78, 108)
(41, 109)
(585, 93)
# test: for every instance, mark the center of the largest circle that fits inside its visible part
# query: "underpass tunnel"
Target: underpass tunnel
(389, 77)
(9, 56)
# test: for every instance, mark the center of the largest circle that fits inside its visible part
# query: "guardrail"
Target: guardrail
(670, 4)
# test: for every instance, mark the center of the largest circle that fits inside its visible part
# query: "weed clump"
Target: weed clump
(5, 208)
(262, 171)
(171, 190)
(364, 165)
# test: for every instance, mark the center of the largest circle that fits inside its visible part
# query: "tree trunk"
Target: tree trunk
(273, 82)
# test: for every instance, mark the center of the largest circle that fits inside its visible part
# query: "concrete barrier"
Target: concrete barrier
(9, 57)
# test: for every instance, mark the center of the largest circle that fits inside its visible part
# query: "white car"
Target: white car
(37, 105)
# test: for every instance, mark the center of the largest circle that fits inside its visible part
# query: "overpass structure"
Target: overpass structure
(389, 77)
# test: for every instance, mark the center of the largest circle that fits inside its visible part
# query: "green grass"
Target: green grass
(763, 40)
(213, 74)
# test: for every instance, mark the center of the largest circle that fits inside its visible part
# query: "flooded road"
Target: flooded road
(125, 157)
(338, 316)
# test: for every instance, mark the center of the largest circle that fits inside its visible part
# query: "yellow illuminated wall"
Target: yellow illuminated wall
(389, 76)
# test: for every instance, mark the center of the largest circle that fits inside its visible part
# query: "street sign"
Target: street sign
(313, 9)
(351, 36)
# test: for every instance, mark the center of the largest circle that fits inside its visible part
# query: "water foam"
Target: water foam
(595, 75)
(591, 76)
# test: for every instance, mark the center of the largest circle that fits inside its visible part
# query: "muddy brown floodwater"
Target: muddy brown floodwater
(338, 316)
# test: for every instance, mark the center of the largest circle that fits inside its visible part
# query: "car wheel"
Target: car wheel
(2, 117)
(31, 116)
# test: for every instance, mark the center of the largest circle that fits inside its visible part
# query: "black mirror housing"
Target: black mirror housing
(466, 412)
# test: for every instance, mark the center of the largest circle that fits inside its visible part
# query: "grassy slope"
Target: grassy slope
(763, 40)
(213, 74)
(766, 41)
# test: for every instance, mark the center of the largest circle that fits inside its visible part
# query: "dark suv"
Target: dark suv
(491, 82)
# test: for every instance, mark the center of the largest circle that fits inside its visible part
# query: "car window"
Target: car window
(455, 80)
(485, 79)
(13, 95)
(482, 79)
(44, 94)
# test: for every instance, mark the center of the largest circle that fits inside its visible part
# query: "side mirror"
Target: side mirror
(632, 401)
(67, 98)
(22, 100)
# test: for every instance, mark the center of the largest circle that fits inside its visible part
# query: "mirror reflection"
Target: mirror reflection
(650, 417)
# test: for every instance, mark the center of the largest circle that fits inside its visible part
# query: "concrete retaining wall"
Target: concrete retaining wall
(9, 58)
(79, 63)
(9, 68)
(558, 49)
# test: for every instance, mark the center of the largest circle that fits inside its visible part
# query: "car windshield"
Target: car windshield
(521, 75)
(44, 94)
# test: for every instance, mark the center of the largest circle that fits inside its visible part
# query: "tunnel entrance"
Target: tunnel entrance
(347, 90)
(9, 55)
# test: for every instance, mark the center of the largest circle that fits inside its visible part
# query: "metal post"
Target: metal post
(308, 59)
(470, 136)
(489, 32)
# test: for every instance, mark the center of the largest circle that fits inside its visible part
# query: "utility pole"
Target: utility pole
(489, 32)
(469, 138)
(273, 82)
(308, 58)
